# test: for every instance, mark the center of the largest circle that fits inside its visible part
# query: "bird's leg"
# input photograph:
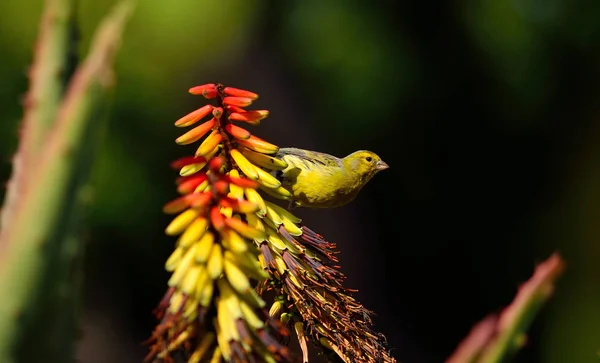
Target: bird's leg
(292, 205)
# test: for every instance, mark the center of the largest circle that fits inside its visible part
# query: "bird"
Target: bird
(319, 180)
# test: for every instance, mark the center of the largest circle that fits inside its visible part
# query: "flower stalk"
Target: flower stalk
(211, 305)
(234, 244)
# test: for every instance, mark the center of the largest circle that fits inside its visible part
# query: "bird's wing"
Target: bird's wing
(314, 157)
(306, 172)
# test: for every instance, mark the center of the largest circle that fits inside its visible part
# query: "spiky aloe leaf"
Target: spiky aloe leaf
(498, 337)
(38, 252)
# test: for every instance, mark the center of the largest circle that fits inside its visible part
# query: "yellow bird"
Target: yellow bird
(319, 180)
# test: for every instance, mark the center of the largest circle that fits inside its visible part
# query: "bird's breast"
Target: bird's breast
(322, 188)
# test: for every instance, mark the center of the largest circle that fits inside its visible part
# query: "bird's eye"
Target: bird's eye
(369, 158)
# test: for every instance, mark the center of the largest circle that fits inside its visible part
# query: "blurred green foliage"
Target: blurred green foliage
(486, 111)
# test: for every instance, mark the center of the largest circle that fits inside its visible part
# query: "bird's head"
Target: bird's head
(365, 163)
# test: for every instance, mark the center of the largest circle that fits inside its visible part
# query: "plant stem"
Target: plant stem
(39, 254)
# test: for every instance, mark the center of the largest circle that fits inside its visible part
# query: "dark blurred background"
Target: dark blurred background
(486, 111)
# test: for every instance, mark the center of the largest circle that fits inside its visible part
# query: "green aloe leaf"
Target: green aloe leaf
(39, 249)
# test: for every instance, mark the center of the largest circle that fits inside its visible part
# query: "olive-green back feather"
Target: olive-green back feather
(313, 157)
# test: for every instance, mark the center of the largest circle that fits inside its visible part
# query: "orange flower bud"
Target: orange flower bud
(187, 160)
(199, 200)
(217, 219)
(241, 182)
(187, 184)
(237, 101)
(238, 132)
(196, 133)
(231, 108)
(230, 91)
(217, 112)
(251, 117)
(208, 94)
(199, 90)
(194, 116)
(221, 187)
(217, 163)
(176, 205)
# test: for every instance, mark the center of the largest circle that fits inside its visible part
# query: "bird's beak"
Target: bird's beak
(381, 165)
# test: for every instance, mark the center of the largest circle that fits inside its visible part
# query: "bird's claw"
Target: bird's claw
(291, 205)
